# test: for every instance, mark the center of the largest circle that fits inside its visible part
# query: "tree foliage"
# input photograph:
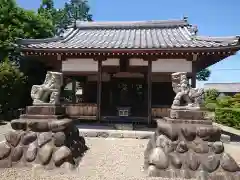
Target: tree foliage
(77, 10)
(203, 75)
(211, 95)
(12, 83)
(71, 12)
(16, 22)
(210, 99)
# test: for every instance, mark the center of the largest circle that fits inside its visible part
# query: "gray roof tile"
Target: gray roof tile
(131, 35)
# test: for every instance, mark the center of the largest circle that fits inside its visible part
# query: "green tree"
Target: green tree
(48, 11)
(78, 10)
(61, 18)
(203, 75)
(73, 10)
(12, 82)
(16, 22)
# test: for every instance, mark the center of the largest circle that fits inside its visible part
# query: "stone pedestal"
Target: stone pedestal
(39, 137)
(44, 112)
(186, 114)
(186, 148)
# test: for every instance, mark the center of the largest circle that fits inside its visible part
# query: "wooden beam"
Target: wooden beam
(149, 82)
(99, 89)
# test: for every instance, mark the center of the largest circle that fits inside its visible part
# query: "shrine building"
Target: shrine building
(122, 70)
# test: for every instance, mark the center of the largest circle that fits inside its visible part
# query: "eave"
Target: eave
(133, 52)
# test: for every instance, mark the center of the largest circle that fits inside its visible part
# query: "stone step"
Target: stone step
(183, 121)
(107, 133)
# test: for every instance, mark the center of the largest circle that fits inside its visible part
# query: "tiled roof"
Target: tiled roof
(223, 87)
(169, 34)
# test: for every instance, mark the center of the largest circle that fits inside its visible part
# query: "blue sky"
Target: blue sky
(213, 18)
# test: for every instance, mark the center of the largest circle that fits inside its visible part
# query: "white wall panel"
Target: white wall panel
(137, 62)
(111, 62)
(171, 65)
(80, 65)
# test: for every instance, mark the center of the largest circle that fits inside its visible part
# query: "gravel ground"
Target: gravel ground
(106, 159)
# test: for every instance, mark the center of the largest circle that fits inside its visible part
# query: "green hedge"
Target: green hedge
(211, 106)
(210, 99)
(228, 116)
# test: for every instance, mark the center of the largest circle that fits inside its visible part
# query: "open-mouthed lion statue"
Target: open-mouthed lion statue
(49, 91)
(186, 96)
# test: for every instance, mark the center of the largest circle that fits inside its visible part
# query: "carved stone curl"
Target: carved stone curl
(186, 97)
(49, 91)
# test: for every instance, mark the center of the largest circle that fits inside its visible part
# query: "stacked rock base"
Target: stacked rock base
(184, 148)
(48, 142)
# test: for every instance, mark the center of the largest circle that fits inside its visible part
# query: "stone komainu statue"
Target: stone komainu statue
(186, 96)
(49, 91)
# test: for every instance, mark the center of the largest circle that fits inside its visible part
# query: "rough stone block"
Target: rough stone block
(185, 121)
(45, 110)
(19, 124)
(186, 114)
(43, 135)
(193, 147)
(60, 125)
(225, 138)
(5, 150)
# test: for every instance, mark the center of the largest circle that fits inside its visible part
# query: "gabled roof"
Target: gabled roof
(169, 34)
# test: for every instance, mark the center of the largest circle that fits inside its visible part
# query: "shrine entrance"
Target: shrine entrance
(127, 98)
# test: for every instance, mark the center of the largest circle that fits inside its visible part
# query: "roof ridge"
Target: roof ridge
(238, 83)
(218, 38)
(230, 40)
(132, 24)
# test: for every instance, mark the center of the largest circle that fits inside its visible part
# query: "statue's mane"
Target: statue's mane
(176, 81)
(56, 79)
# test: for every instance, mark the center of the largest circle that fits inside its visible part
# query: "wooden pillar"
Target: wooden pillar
(193, 80)
(99, 89)
(193, 77)
(110, 93)
(84, 86)
(194, 70)
(149, 82)
(74, 90)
